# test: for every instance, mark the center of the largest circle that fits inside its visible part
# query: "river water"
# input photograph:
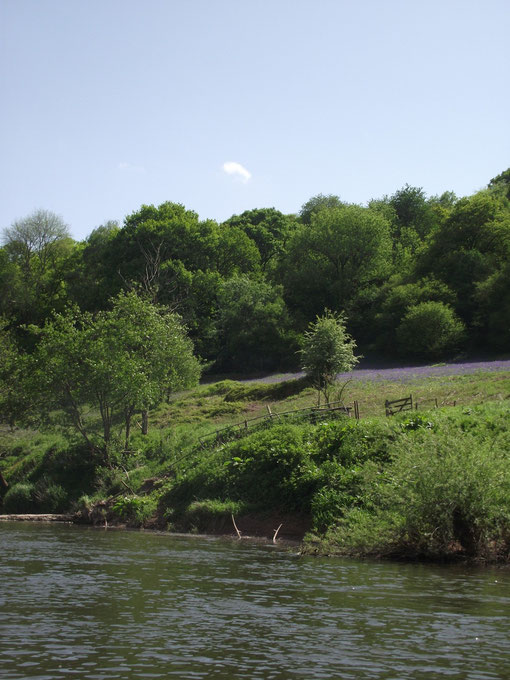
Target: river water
(92, 604)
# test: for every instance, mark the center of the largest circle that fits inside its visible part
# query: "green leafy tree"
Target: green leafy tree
(473, 242)
(34, 240)
(91, 279)
(153, 236)
(343, 250)
(317, 203)
(253, 325)
(120, 361)
(413, 211)
(10, 285)
(430, 330)
(13, 402)
(327, 349)
(396, 298)
(268, 228)
(38, 245)
(501, 183)
(492, 317)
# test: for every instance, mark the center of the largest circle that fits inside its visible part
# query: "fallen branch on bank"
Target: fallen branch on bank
(276, 533)
(235, 527)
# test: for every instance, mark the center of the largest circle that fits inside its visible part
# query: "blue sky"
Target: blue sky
(228, 105)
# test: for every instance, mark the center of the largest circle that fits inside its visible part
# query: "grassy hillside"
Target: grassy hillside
(430, 483)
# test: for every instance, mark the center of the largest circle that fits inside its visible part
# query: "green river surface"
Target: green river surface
(77, 602)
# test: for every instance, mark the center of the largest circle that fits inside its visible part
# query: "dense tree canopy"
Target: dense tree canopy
(253, 325)
(268, 228)
(316, 204)
(95, 334)
(342, 250)
(247, 288)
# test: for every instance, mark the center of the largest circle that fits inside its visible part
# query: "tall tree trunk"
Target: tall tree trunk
(145, 421)
(128, 414)
(74, 411)
(3, 483)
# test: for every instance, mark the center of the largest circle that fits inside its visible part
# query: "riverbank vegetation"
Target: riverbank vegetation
(102, 344)
(429, 484)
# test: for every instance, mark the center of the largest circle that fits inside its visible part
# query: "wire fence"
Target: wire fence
(313, 414)
(310, 413)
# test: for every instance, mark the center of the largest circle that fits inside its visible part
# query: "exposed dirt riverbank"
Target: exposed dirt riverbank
(279, 528)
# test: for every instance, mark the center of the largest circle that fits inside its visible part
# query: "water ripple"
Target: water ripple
(100, 605)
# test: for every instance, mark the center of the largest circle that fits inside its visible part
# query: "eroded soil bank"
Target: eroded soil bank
(275, 527)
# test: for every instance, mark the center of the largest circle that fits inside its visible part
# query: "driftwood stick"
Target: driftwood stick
(276, 533)
(127, 486)
(235, 527)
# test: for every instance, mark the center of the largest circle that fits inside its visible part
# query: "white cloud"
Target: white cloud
(128, 167)
(237, 170)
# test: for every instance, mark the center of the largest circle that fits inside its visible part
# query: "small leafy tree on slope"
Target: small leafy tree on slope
(121, 361)
(327, 349)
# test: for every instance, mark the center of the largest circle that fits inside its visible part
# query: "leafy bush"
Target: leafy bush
(20, 499)
(272, 468)
(268, 468)
(42, 497)
(109, 481)
(430, 329)
(351, 443)
(209, 515)
(134, 509)
(331, 501)
(70, 466)
(50, 497)
(441, 494)
(416, 421)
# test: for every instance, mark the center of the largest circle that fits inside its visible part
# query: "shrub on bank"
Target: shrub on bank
(42, 497)
(444, 493)
(350, 442)
(315, 469)
(134, 510)
(272, 468)
(50, 497)
(19, 499)
(207, 516)
(268, 469)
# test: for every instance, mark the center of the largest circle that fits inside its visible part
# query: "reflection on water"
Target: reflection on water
(87, 603)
